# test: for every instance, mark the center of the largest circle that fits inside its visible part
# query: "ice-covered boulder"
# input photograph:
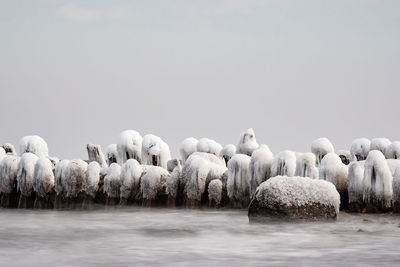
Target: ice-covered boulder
(187, 148)
(95, 154)
(43, 184)
(360, 148)
(131, 172)
(260, 167)
(320, 147)
(305, 166)
(247, 142)
(129, 146)
(380, 144)
(393, 150)
(285, 198)
(238, 184)
(34, 144)
(228, 152)
(155, 151)
(209, 146)
(284, 164)
(111, 154)
(355, 185)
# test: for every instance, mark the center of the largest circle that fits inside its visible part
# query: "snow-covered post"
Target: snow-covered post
(238, 184)
(320, 147)
(43, 184)
(8, 181)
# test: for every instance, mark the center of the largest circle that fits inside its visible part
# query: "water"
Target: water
(192, 237)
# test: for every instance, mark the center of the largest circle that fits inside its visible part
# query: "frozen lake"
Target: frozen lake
(192, 237)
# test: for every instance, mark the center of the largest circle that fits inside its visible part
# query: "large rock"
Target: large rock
(291, 198)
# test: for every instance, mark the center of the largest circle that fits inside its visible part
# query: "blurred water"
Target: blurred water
(192, 237)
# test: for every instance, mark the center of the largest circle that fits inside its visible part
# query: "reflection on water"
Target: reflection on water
(192, 237)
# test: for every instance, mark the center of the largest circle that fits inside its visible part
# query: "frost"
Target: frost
(131, 172)
(112, 181)
(95, 154)
(298, 192)
(320, 147)
(129, 146)
(26, 171)
(247, 143)
(260, 167)
(284, 164)
(377, 182)
(9, 149)
(360, 148)
(333, 170)
(355, 180)
(393, 150)
(111, 154)
(155, 151)
(228, 152)
(209, 146)
(380, 144)
(34, 144)
(43, 181)
(75, 178)
(153, 181)
(238, 184)
(60, 177)
(305, 166)
(215, 191)
(187, 148)
(92, 178)
(8, 173)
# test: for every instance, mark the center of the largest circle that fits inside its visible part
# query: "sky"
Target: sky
(78, 72)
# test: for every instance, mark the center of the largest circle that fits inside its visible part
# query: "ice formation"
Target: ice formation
(396, 186)
(112, 181)
(34, 144)
(215, 191)
(43, 181)
(75, 179)
(129, 146)
(320, 147)
(172, 183)
(111, 154)
(355, 181)
(9, 149)
(155, 151)
(297, 192)
(380, 144)
(92, 178)
(260, 167)
(393, 164)
(360, 148)
(238, 184)
(131, 172)
(345, 156)
(8, 173)
(247, 143)
(305, 166)
(377, 182)
(284, 164)
(60, 177)
(2, 153)
(26, 170)
(153, 181)
(393, 150)
(95, 154)
(199, 169)
(333, 170)
(209, 146)
(228, 152)
(171, 164)
(187, 148)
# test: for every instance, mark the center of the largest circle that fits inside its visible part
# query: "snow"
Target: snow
(111, 154)
(355, 181)
(95, 154)
(153, 181)
(247, 142)
(129, 146)
(215, 191)
(377, 182)
(305, 166)
(9, 148)
(43, 181)
(284, 164)
(75, 177)
(380, 144)
(238, 184)
(92, 178)
(8, 173)
(155, 151)
(26, 170)
(209, 146)
(34, 144)
(360, 148)
(333, 170)
(187, 147)
(131, 172)
(199, 169)
(393, 150)
(227, 152)
(260, 167)
(297, 191)
(112, 181)
(172, 183)
(60, 177)
(320, 147)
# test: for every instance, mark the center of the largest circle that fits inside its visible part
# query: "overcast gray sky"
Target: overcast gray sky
(76, 72)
